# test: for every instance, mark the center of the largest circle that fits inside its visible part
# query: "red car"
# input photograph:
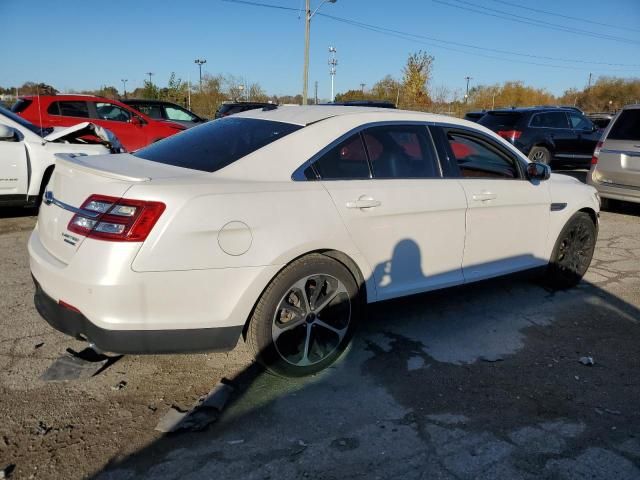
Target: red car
(133, 128)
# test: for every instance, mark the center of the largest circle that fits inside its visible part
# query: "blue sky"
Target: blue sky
(75, 44)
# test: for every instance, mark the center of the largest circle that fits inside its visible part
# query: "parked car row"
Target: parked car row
(27, 154)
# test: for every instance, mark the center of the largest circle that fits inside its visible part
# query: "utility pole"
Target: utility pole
(150, 74)
(200, 62)
(316, 94)
(589, 84)
(362, 87)
(308, 15)
(333, 62)
(466, 95)
(124, 87)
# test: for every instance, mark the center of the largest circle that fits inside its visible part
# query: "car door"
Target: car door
(405, 219)
(119, 121)
(586, 136)
(507, 217)
(14, 173)
(554, 126)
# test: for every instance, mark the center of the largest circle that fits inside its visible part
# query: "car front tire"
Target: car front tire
(572, 252)
(305, 318)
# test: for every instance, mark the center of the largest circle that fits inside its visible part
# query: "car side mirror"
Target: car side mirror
(137, 121)
(538, 171)
(6, 132)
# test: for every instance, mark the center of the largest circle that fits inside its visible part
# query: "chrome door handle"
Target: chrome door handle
(363, 202)
(484, 196)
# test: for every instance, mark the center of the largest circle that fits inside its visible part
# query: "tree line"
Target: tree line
(412, 90)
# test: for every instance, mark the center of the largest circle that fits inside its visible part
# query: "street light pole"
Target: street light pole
(124, 87)
(466, 96)
(308, 15)
(150, 74)
(200, 62)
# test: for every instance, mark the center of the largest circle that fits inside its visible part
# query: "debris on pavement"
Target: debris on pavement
(588, 361)
(38, 345)
(42, 428)
(6, 471)
(78, 365)
(120, 385)
(200, 416)
(235, 442)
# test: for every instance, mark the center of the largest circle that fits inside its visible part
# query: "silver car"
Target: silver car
(615, 167)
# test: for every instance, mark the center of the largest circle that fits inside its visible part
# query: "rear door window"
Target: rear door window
(69, 109)
(401, 152)
(550, 120)
(217, 144)
(347, 160)
(626, 126)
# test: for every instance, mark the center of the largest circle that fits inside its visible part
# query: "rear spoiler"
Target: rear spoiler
(83, 163)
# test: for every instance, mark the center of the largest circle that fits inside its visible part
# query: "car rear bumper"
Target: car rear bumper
(615, 191)
(124, 311)
(75, 324)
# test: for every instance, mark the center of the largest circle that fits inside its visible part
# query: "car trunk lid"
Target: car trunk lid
(75, 179)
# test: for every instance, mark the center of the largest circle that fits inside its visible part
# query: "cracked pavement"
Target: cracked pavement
(480, 381)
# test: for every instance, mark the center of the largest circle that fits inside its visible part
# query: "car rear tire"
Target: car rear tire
(540, 155)
(572, 252)
(305, 317)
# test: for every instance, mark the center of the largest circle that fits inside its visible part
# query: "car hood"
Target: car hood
(74, 133)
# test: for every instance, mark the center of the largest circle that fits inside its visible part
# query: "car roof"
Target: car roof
(148, 101)
(306, 115)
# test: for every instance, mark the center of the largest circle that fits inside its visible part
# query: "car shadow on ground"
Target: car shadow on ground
(18, 212)
(442, 383)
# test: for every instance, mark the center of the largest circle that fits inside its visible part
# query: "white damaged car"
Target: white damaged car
(27, 154)
(280, 226)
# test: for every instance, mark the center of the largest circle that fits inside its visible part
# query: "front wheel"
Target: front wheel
(572, 252)
(305, 318)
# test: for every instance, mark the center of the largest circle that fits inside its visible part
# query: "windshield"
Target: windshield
(216, 144)
(25, 123)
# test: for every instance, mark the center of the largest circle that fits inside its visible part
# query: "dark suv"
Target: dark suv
(546, 134)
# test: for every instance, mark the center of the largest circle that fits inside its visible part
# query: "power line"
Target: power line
(415, 38)
(467, 45)
(531, 21)
(569, 17)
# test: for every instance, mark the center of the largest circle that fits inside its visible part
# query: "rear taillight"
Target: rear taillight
(509, 134)
(596, 154)
(116, 219)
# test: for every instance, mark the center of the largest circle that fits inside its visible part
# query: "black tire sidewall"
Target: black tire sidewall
(261, 321)
(561, 279)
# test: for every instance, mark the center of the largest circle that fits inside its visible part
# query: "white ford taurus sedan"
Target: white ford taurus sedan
(280, 226)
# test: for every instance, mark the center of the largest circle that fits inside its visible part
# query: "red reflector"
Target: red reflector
(68, 306)
(116, 219)
(510, 134)
(596, 154)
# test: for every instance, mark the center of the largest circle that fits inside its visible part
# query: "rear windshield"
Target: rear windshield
(627, 126)
(216, 144)
(499, 120)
